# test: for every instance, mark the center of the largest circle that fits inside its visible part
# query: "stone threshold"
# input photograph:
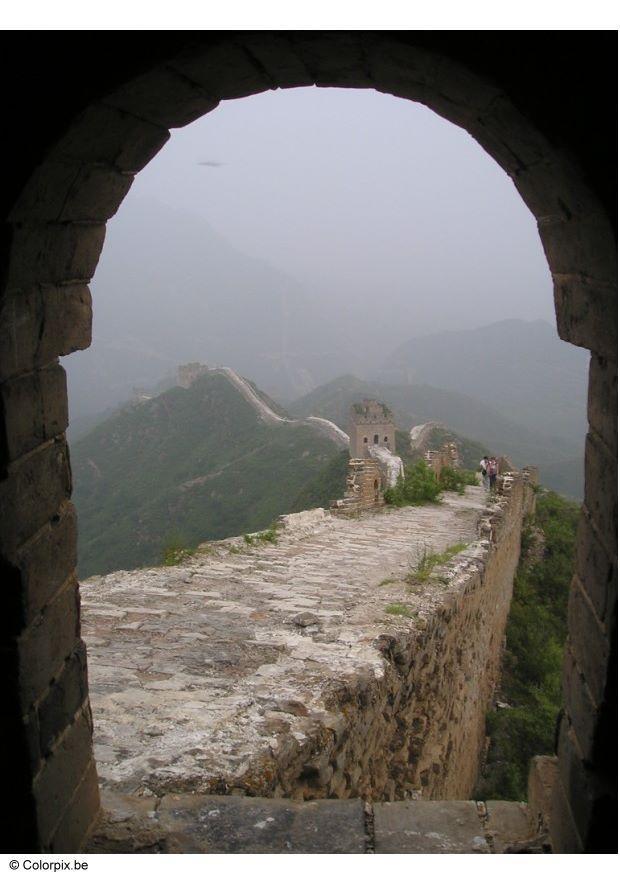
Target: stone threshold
(199, 824)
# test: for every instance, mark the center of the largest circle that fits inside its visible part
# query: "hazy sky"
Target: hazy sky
(362, 198)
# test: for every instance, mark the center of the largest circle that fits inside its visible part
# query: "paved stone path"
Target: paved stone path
(198, 670)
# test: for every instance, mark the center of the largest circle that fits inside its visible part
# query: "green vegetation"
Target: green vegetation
(531, 678)
(418, 486)
(429, 561)
(175, 551)
(328, 483)
(456, 479)
(399, 610)
(268, 536)
(195, 462)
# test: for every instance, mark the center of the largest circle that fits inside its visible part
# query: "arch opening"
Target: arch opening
(59, 226)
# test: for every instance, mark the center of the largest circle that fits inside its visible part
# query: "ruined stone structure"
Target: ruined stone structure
(447, 456)
(364, 488)
(371, 423)
(373, 466)
(69, 166)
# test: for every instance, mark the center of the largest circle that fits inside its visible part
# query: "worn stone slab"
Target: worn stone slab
(508, 824)
(429, 827)
(243, 825)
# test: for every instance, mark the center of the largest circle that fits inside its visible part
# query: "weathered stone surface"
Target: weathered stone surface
(235, 824)
(104, 134)
(508, 823)
(429, 828)
(586, 312)
(47, 642)
(164, 98)
(33, 493)
(224, 71)
(64, 698)
(603, 399)
(202, 680)
(33, 409)
(541, 779)
(44, 564)
(69, 191)
(54, 253)
(61, 774)
(39, 325)
(78, 815)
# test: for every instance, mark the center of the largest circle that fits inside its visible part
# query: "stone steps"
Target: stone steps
(197, 824)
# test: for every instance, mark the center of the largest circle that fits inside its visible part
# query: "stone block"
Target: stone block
(603, 399)
(332, 59)
(586, 313)
(104, 134)
(65, 697)
(68, 191)
(508, 823)
(164, 98)
(565, 838)
(63, 772)
(425, 827)
(33, 409)
(274, 53)
(580, 246)
(577, 780)
(588, 641)
(601, 498)
(541, 779)
(396, 69)
(578, 703)
(39, 325)
(32, 493)
(41, 568)
(79, 816)
(224, 70)
(47, 643)
(596, 571)
(54, 253)
(244, 825)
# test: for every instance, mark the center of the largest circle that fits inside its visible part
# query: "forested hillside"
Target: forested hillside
(191, 465)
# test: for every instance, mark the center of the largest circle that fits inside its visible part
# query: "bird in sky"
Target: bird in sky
(211, 163)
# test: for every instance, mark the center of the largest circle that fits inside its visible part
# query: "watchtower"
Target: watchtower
(371, 423)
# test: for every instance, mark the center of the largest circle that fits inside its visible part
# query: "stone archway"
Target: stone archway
(57, 232)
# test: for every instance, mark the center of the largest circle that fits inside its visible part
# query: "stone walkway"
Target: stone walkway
(197, 672)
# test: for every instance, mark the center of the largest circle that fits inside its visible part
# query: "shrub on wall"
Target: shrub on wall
(418, 486)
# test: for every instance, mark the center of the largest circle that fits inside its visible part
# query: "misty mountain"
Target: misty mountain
(190, 465)
(522, 369)
(416, 404)
(169, 289)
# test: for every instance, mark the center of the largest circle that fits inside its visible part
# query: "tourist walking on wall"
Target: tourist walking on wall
(492, 472)
(484, 464)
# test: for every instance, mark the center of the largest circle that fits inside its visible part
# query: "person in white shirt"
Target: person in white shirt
(484, 466)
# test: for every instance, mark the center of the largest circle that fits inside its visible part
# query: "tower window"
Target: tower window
(376, 439)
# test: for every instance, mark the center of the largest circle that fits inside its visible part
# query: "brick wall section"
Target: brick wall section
(57, 231)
